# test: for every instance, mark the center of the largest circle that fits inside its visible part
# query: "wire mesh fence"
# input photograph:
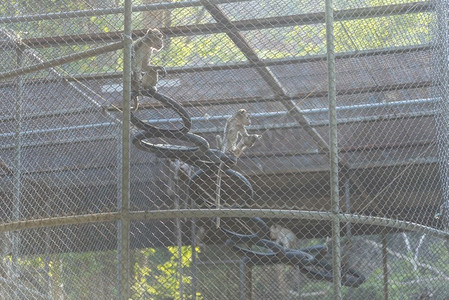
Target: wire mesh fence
(234, 192)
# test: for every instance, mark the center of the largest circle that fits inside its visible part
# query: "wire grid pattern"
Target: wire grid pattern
(61, 154)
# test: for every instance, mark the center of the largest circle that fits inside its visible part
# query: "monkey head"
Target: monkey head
(243, 116)
(154, 38)
(274, 231)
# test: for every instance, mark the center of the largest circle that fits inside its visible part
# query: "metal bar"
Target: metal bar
(242, 279)
(334, 161)
(311, 111)
(242, 25)
(72, 141)
(302, 59)
(441, 76)
(118, 164)
(124, 203)
(296, 97)
(61, 129)
(173, 192)
(385, 264)
(194, 266)
(223, 213)
(51, 114)
(248, 283)
(348, 227)
(47, 232)
(272, 62)
(267, 62)
(62, 60)
(299, 96)
(369, 119)
(17, 170)
(107, 11)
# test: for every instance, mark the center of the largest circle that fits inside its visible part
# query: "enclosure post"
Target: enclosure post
(48, 204)
(348, 227)
(248, 275)
(173, 192)
(335, 199)
(441, 82)
(17, 169)
(124, 223)
(242, 279)
(194, 266)
(385, 263)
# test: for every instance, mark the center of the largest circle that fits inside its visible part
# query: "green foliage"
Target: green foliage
(157, 276)
(384, 32)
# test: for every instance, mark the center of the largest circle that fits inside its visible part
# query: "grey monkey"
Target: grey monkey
(235, 138)
(142, 51)
(283, 236)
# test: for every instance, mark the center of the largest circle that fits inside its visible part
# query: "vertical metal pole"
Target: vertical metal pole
(248, 270)
(335, 199)
(441, 81)
(17, 202)
(119, 205)
(348, 229)
(194, 266)
(385, 264)
(124, 207)
(173, 192)
(48, 203)
(242, 279)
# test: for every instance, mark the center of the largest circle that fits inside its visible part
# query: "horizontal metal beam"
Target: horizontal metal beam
(240, 25)
(223, 213)
(52, 114)
(301, 59)
(245, 65)
(107, 11)
(314, 111)
(298, 96)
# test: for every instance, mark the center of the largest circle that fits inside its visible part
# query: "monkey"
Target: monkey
(236, 127)
(151, 77)
(244, 143)
(283, 236)
(142, 51)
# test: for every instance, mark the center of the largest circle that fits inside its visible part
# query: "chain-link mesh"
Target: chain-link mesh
(214, 216)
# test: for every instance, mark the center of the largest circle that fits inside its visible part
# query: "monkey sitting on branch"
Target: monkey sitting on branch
(142, 51)
(235, 138)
